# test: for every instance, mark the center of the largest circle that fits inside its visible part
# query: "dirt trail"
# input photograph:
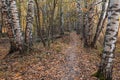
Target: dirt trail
(71, 58)
(76, 65)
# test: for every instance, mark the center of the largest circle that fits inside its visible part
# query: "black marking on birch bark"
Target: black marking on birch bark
(112, 38)
(108, 33)
(110, 17)
(107, 52)
(109, 24)
(118, 10)
(108, 55)
(110, 30)
(113, 23)
(114, 14)
(116, 34)
(108, 44)
(113, 6)
(116, 4)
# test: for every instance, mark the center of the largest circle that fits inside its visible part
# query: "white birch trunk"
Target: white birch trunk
(8, 24)
(16, 24)
(110, 39)
(29, 25)
(103, 15)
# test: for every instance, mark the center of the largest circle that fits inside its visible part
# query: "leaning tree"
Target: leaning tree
(106, 65)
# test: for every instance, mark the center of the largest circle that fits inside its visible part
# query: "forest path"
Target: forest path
(72, 66)
(77, 65)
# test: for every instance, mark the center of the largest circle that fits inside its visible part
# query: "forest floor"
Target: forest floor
(66, 59)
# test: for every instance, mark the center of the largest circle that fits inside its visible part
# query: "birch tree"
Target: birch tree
(101, 21)
(89, 25)
(106, 65)
(29, 24)
(15, 22)
(38, 21)
(8, 24)
(88, 17)
(80, 17)
(0, 18)
(61, 18)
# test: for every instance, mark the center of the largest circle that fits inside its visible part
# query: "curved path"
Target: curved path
(78, 65)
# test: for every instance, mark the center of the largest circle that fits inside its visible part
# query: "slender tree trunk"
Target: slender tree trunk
(10, 29)
(52, 20)
(19, 9)
(14, 17)
(36, 22)
(89, 26)
(101, 21)
(79, 20)
(85, 21)
(106, 64)
(0, 18)
(39, 29)
(61, 19)
(29, 24)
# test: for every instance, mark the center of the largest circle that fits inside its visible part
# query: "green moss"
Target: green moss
(58, 49)
(99, 75)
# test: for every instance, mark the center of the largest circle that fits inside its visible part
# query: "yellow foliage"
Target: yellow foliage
(84, 9)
